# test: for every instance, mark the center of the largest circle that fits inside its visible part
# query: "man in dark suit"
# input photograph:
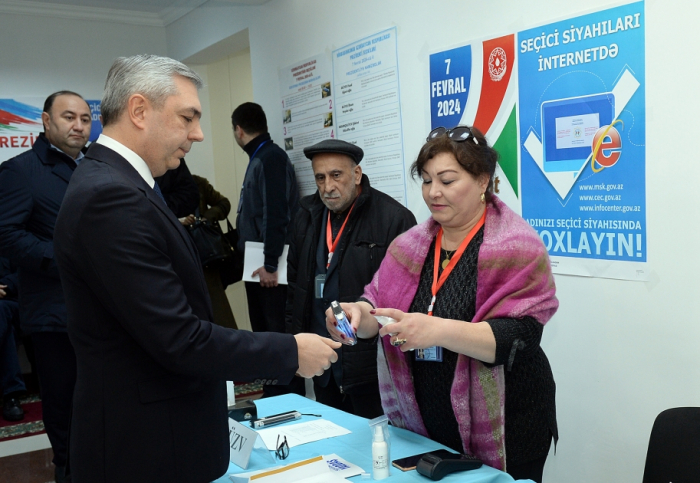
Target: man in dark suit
(32, 186)
(150, 399)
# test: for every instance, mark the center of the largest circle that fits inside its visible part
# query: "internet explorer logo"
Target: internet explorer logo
(607, 147)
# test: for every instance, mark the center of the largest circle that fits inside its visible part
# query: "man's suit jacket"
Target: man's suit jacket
(150, 398)
(32, 186)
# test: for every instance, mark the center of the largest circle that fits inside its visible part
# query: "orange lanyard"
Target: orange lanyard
(437, 283)
(329, 234)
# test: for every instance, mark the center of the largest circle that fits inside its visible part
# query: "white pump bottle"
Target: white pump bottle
(380, 455)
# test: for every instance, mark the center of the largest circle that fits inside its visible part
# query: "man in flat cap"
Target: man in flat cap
(339, 238)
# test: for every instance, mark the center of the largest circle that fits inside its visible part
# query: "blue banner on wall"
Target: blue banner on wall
(582, 135)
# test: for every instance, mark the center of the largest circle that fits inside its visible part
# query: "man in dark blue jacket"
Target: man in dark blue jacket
(32, 186)
(11, 382)
(269, 200)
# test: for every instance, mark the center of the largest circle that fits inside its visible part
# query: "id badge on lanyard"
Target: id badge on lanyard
(429, 354)
(319, 282)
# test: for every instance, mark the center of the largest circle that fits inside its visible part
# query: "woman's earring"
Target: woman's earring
(483, 199)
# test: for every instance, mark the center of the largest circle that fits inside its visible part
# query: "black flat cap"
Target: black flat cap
(335, 146)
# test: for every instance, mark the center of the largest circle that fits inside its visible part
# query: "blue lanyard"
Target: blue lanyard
(240, 199)
(256, 151)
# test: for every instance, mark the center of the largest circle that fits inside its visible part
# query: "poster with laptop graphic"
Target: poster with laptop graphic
(563, 104)
(582, 133)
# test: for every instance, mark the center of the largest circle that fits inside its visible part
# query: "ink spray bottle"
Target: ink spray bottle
(380, 454)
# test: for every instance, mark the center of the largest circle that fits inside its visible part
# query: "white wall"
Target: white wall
(621, 351)
(41, 55)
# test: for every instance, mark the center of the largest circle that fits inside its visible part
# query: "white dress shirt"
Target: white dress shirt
(134, 159)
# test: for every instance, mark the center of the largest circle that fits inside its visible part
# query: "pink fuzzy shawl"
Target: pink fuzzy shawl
(514, 280)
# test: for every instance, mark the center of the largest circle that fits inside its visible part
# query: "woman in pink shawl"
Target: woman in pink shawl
(483, 387)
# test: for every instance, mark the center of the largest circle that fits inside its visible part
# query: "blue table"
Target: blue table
(356, 447)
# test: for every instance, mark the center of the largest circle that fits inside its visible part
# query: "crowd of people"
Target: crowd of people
(133, 337)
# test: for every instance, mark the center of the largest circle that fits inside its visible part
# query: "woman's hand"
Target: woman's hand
(417, 330)
(362, 322)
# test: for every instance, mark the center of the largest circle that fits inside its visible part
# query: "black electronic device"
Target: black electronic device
(275, 419)
(436, 464)
(408, 463)
(244, 410)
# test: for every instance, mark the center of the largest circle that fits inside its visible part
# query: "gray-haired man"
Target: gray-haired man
(150, 398)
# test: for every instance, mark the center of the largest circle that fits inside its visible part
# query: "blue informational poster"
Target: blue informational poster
(564, 106)
(582, 133)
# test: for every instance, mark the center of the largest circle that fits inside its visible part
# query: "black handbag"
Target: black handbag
(231, 270)
(213, 247)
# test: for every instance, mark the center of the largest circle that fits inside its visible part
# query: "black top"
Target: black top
(530, 414)
(179, 190)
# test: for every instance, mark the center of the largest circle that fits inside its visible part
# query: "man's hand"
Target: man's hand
(2, 291)
(267, 279)
(316, 354)
(188, 220)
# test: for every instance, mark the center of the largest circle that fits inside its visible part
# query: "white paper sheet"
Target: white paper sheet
(338, 469)
(310, 471)
(255, 258)
(302, 433)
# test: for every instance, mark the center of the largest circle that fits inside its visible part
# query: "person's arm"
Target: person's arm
(361, 319)
(133, 275)
(515, 339)
(420, 331)
(219, 205)
(21, 246)
(275, 209)
(131, 270)
(179, 190)
(8, 284)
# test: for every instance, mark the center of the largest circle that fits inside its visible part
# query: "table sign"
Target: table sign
(242, 442)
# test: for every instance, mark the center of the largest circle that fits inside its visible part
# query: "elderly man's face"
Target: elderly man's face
(337, 178)
(173, 128)
(67, 124)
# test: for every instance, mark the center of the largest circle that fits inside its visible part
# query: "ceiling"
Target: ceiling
(156, 13)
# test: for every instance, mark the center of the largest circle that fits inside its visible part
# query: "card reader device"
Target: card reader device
(436, 464)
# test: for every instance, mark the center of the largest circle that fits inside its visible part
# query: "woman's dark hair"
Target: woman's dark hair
(476, 158)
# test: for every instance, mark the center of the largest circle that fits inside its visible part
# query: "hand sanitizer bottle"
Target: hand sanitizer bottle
(380, 455)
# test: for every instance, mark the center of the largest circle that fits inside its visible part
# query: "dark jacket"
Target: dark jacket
(269, 199)
(212, 205)
(150, 398)
(374, 223)
(179, 190)
(32, 186)
(8, 277)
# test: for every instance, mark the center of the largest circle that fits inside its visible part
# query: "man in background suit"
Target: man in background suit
(32, 186)
(150, 398)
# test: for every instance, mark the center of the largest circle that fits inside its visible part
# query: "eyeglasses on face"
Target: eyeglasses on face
(458, 134)
(282, 451)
